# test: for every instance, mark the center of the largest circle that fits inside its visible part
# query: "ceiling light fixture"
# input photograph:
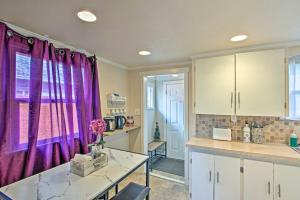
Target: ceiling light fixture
(144, 53)
(239, 38)
(175, 75)
(86, 16)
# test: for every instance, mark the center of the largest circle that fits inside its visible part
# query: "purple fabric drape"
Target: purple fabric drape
(48, 97)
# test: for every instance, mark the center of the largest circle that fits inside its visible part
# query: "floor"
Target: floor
(161, 189)
(169, 165)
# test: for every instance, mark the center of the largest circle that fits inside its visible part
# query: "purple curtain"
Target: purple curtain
(48, 97)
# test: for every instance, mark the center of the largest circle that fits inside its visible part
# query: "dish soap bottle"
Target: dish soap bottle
(293, 140)
(246, 131)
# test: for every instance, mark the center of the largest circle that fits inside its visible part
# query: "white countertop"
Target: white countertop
(59, 183)
(277, 153)
(119, 131)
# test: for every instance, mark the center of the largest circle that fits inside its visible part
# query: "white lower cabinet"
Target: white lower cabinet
(258, 180)
(215, 177)
(202, 175)
(227, 178)
(286, 182)
(219, 178)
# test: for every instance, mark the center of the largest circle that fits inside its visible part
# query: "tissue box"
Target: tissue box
(86, 167)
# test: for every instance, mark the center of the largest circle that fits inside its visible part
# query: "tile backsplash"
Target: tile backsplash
(276, 130)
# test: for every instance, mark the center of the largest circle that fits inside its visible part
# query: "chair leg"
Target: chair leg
(117, 189)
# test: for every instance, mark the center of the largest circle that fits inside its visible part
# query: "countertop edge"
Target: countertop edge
(245, 155)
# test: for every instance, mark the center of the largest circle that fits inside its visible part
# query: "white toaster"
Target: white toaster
(222, 134)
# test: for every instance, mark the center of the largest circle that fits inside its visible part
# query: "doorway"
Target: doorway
(165, 124)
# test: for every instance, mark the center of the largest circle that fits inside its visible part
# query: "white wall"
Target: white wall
(113, 79)
(151, 114)
(160, 108)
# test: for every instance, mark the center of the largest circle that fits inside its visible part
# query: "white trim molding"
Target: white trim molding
(269, 46)
(143, 75)
(165, 71)
(177, 64)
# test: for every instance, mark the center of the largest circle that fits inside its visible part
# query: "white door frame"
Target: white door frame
(144, 142)
(165, 83)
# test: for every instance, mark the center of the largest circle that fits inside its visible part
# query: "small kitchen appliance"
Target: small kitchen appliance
(110, 123)
(120, 121)
(222, 134)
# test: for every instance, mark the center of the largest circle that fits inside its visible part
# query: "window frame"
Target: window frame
(150, 105)
(16, 138)
(291, 91)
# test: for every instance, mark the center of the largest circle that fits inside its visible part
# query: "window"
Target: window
(294, 87)
(51, 113)
(150, 96)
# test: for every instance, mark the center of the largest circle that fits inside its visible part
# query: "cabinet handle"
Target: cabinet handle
(218, 177)
(279, 191)
(239, 100)
(269, 188)
(210, 176)
(231, 100)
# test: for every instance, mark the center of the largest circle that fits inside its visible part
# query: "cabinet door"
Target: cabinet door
(214, 85)
(258, 180)
(227, 178)
(202, 176)
(260, 83)
(286, 182)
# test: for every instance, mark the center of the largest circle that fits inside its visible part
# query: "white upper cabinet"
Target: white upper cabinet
(250, 84)
(260, 83)
(214, 84)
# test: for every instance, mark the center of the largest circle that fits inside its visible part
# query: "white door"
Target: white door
(227, 178)
(214, 85)
(260, 83)
(286, 182)
(175, 119)
(202, 172)
(258, 180)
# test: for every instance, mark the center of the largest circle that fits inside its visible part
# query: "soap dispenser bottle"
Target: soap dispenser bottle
(246, 132)
(293, 140)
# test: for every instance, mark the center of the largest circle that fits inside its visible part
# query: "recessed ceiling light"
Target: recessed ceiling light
(144, 53)
(239, 38)
(86, 16)
(175, 75)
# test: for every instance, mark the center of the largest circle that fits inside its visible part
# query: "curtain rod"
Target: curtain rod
(60, 44)
(46, 37)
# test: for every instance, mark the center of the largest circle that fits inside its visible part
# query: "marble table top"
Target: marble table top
(59, 183)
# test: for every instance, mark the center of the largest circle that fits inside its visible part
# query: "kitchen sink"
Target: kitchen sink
(297, 149)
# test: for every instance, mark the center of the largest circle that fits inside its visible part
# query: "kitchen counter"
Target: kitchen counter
(120, 131)
(277, 153)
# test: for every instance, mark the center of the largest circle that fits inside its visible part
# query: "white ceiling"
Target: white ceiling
(173, 30)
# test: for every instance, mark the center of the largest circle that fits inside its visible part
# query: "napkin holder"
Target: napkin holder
(84, 165)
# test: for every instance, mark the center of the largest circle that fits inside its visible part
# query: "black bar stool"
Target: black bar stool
(132, 191)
